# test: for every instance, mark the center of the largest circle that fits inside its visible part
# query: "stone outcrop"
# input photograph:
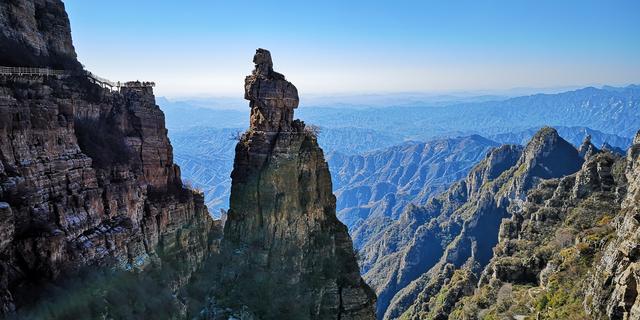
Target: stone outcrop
(87, 178)
(285, 254)
(587, 148)
(272, 98)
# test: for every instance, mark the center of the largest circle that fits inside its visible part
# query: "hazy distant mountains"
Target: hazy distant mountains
(610, 110)
(205, 156)
(198, 133)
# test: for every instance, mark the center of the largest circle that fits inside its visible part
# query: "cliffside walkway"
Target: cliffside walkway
(46, 72)
(23, 71)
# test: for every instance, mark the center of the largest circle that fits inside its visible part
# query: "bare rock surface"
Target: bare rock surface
(285, 254)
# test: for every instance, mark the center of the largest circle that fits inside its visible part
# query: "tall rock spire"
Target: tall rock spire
(285, 254)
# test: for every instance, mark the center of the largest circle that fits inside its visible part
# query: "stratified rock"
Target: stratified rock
(285, 254)
(87, 178)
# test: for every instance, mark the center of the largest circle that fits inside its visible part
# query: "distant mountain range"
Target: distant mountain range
(610, 115)
(575, 135)
(609, 109)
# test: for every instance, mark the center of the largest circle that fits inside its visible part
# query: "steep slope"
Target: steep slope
(416, 241)
(567, 251)
(285, 254)
(541, 262)
(459, 228)
(87, 178)
(612, 290)
(546, 156)
(372, 189)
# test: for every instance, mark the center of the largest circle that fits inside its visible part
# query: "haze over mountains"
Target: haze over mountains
(423, 188)
(608, 114)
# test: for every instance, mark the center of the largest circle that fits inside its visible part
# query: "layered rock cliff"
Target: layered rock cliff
(285, 254)
(87, 178)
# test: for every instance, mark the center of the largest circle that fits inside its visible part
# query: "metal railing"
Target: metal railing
(105, 83)
(25, 71)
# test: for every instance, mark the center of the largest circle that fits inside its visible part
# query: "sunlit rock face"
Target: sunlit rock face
(285, 254)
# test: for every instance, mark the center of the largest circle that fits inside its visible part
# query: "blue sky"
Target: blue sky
(204, 48)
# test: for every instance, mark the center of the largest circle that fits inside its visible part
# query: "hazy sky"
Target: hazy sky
(205, 47)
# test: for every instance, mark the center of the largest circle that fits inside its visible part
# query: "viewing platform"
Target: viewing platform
(46, 72)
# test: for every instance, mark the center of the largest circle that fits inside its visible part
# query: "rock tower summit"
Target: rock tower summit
(272, 97)
(285, 253)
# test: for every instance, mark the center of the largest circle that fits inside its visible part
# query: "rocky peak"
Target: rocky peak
(264, 64)
(587, 148)
(546, 156)
(272, 98)
(285, 254)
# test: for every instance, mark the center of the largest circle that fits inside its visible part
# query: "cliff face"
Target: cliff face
(86, 175)
(613, 286)
(36, 33)
(285, 254)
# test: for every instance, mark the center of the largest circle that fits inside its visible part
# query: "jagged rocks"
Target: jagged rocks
(587, 148)
(460, 228)
(272, 97)
(613, 291)
(285, 254)
(546, 248)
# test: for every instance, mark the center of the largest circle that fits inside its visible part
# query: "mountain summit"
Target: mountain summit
(285, 254)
